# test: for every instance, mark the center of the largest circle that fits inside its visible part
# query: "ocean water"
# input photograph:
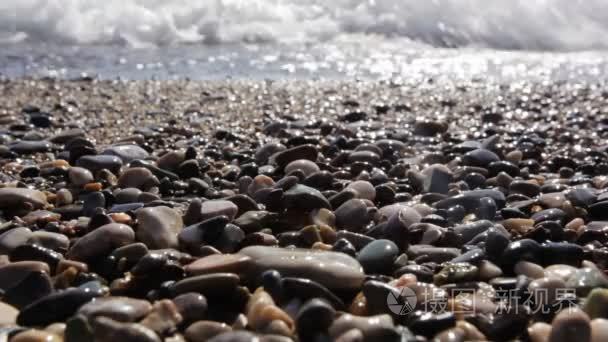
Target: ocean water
(311, 39)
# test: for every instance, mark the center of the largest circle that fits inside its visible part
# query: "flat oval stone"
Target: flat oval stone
(157, 227)
(369, 326)
(13, 273)
(202, 331)
(332, 269)
(305, 198)
(215, 208)
(378, 256)
(30, 147)
(50, 240)
(571, 324)
(98, 162)
(308, 167)
(101, 241)
(232, 263)
(107, 329)
(470, 199)
(16, 197)
(123, 309)
(352, 215)
(13, 238)
(364, 189)
(56, 307)
(126, 153)
(210, 285)
(308, 152)
(137, 177)
(192, 306)
(479, 157)
(80, 176)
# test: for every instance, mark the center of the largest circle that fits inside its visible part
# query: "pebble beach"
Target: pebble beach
(279, 211)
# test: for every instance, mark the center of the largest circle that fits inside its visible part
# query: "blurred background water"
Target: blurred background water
(310, 39)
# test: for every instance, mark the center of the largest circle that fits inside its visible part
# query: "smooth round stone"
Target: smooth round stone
(539, 332)
(587, 278)
(352, 215)
(429, 128)
(64, 196)
(14, 273)
(259, 182)
(17, 197)
(596, 303)
(101, 241)
(137, 177)
(34, 335)
(436, 179)
(265, 151)
(369, 326)
(192, 306)
(157, 227)
(235, 336)
(599, 330)
(378, 256)
(202, 331)
(306, 166)
(210, 285)
(364, 189)
(29, 147)
(470, 230)
(336, 271)
(529, 269)
(479, 157)
(561, 253)
(432, 253)
(80, 176)
(8, 315)
(123, 309)
(470, 199)
(315, 316)
(171, 160)
(126, 153)
(553, 214)
(67, 135)
(215, 208)
(563, 272)
(301, 288)
(304, 198)
(364, 157)
(456, 273)
(107, 329)
(128, 195)
(299, 152)
(13, 238)
(552, 200)
(545, 290)
(56, 307)
(570, 324)
(524, 249)
(231, 263)
(581, 197)
(99, 162)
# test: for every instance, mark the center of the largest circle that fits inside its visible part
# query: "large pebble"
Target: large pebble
(378, 256)
(126, 153)
(16, 197)
(158, 227)
(331, 269)
(123, 309)
(101, 241)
